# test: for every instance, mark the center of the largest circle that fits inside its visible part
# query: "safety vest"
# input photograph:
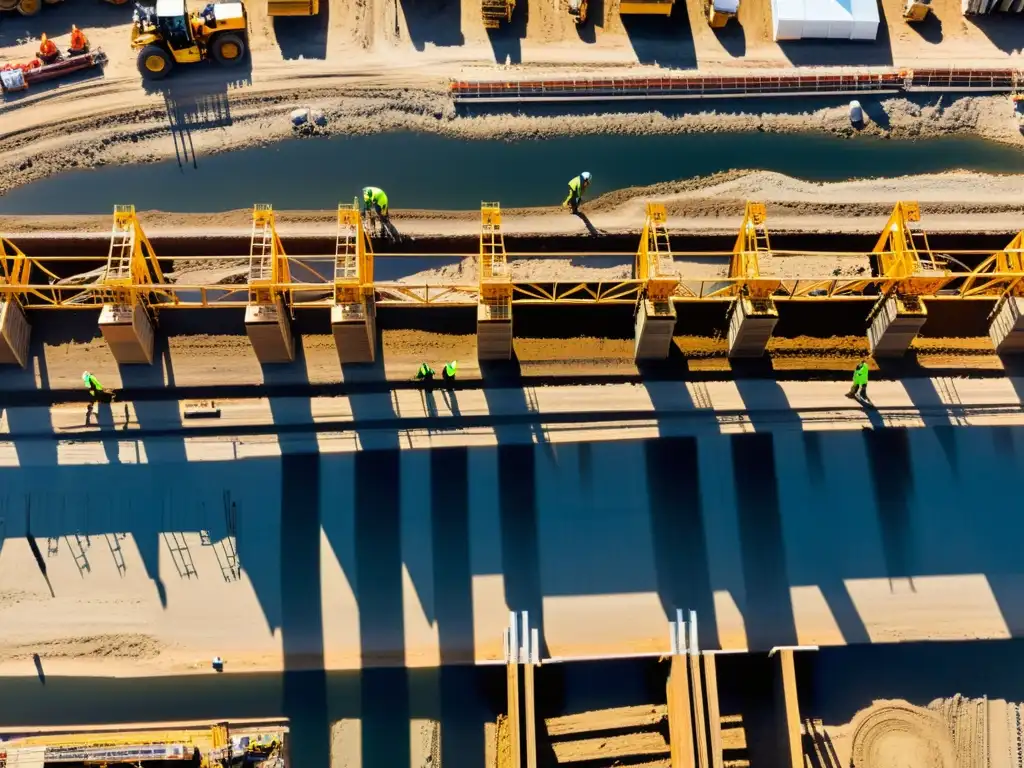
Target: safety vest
(860, 375)
(91, 382)
(425, 370)
(574, 184)
(375, 195)
(449, 369)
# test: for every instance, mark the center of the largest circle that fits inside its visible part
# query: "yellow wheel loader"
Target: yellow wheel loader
(169, 34)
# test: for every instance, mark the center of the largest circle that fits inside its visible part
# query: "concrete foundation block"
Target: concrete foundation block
(1007, 329)
(896, 326)
(751, 322)
(129, 333)
(270, 331)
(355, 331)
(653, 328)
(493, 332)
(14, 334)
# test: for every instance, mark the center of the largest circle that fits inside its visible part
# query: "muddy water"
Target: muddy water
(686, 519)
(428, 171)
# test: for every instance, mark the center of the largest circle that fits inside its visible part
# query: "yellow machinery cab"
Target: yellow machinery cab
(293, 7)
(170, 34)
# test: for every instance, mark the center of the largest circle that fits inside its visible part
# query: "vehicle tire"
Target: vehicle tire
(154, 62)
(29, 7)
(228, 49)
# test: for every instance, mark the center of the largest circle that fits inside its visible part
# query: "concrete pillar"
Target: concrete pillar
(1007, 329)
(355, 331)
(270, 331)
(751, 322)
(896, 325)
(14, 333)
(653, 328)
(789, 709)
(493, 332)
(129, 333)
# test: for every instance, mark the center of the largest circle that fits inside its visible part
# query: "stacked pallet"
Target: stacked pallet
(991, 6)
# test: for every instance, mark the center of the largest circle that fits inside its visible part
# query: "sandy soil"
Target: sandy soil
(961, 201)
(956, 731)
(375, 65)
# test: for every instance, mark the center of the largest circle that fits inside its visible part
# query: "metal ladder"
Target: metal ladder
(122, 245)
(261, 247)
(346, 256)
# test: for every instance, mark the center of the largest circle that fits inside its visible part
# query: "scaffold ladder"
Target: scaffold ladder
(655, 264)
(495, 279)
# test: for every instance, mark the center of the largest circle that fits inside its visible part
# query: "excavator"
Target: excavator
(169, 34)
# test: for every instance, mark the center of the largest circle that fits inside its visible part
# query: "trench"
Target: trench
(428, 171)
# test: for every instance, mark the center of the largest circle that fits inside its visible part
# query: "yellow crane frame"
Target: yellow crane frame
(132, 269)
(655, 262)
(269, 273)
(495, 277)
(353, 257)
(752, 242)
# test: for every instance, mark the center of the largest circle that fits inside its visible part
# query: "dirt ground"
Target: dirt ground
(953, 732)
(375, 65)
(960, 201)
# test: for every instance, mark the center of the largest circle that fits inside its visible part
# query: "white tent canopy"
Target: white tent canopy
(828, 19)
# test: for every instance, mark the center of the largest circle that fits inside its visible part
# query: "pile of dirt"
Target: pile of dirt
(134, 646)
(896, 734)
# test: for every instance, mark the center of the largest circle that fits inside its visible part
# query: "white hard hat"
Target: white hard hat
(586, 175)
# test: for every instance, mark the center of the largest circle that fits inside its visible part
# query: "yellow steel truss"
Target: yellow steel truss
(906, 266)
(132, 266)
(655, 264)
(495, 278)
(353, 257)
(269, 274)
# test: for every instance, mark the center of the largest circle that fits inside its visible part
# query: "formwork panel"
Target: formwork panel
(355, 332)
(14, 334)
(750, 327)
(714, 711)
(129, 333)
(789, 723)
(270, 331)
(680, 724)
(1007, 329)
(895, 327)
(653, 328)
(493, 334)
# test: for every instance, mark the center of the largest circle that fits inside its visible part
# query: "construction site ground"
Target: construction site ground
(374, 65)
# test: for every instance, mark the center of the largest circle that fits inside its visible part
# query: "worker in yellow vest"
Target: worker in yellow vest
(577, 186)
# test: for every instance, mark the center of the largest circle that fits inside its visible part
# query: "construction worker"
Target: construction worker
(577, 186)
(48, 51)
(93, 384)
(448, 374)
(79, 42)
(376, 200)
(859, 390)
(425, 373)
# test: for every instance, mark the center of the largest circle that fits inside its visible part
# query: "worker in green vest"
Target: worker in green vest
(859, 390)
(96, 392)
(448, 374)
(425, 373)
(577, 186)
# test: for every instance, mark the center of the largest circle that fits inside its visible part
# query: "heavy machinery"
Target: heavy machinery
(578, 10)
(32, 7)
(916, 10)
(496, 11)
(646, 7)
(720, 11)
(169, 34)
(293, 7)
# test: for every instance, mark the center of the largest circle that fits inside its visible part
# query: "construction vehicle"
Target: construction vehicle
(578, 10)
(720, 11)
(293, 7)
(495, 12)
(32, 7)
(169, 34)
(917, 10)
(646, 7)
